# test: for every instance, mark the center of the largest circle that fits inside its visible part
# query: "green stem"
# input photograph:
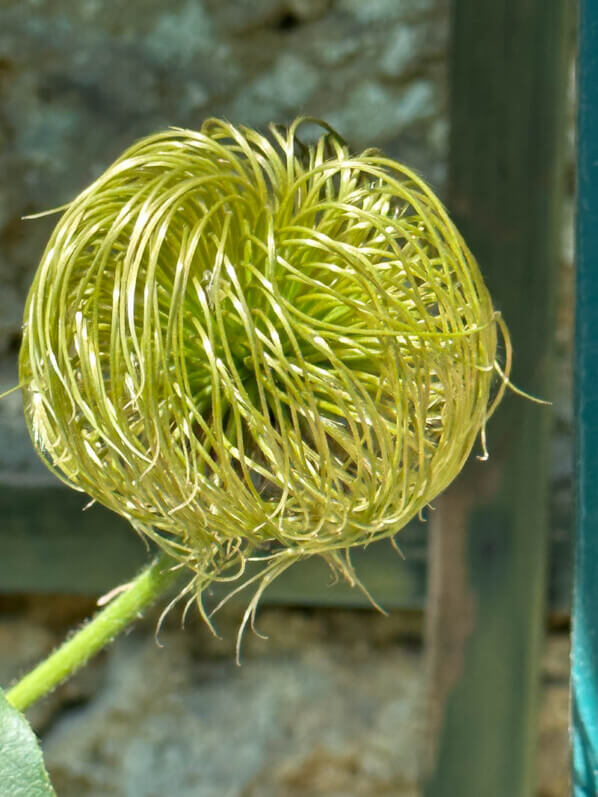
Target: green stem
(97, 633)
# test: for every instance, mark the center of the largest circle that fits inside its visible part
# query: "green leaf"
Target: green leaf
(22, 771)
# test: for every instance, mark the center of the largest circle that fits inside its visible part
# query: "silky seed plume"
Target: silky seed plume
(258, 350)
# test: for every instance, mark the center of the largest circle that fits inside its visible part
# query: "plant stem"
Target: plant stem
(98, 632)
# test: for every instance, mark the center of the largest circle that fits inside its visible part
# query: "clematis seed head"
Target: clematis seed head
(255, 349)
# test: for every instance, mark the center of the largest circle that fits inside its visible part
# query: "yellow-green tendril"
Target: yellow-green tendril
(257, 349)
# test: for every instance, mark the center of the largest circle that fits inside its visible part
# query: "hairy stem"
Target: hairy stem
(98, 632)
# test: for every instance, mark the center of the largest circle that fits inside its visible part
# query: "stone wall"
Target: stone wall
(331, 704)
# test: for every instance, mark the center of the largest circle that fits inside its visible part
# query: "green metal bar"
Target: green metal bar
(585, 605)
(489, 535)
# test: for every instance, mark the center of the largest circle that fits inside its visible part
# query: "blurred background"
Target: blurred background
(339, 700)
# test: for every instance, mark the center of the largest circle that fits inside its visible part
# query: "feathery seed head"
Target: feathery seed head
(253, 348)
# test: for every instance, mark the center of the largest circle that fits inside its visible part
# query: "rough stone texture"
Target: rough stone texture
(553, 759)
(330, 705)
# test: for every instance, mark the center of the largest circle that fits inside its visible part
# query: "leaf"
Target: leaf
(22, 771)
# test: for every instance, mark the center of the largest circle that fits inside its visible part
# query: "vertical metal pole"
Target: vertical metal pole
(486, 608)
(585, 606)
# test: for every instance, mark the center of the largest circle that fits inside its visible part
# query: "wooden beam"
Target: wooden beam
(489, 545)
(50, 545)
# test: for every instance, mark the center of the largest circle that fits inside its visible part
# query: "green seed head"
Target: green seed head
(253, 348)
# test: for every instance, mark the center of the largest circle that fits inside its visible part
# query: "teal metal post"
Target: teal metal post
(585, 608)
